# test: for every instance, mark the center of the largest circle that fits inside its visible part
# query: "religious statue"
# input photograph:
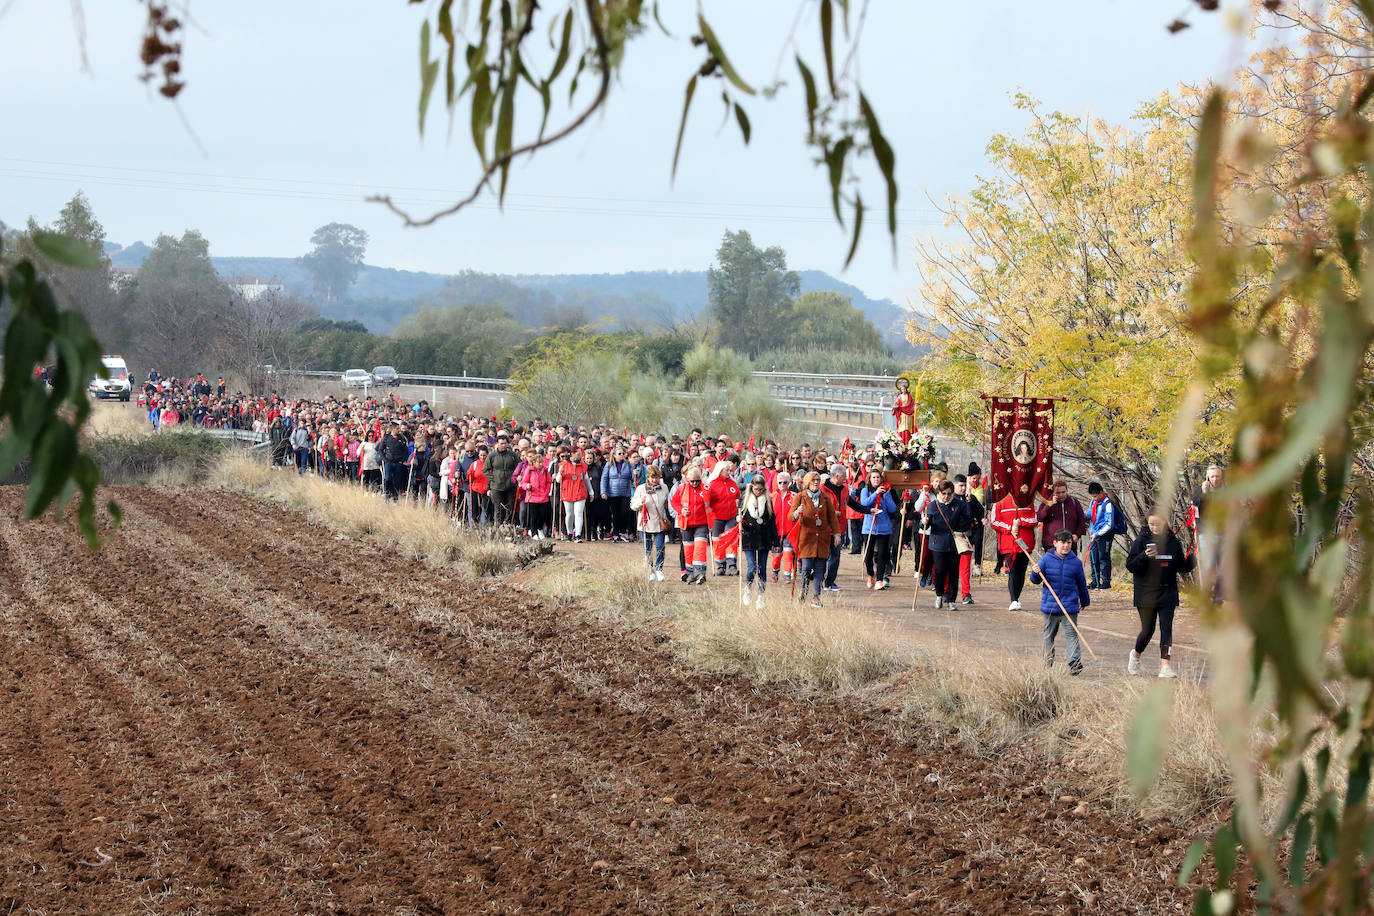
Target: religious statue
(904, 411)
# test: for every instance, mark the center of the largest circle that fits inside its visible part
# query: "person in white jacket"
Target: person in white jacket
(446, 469)
(650, 506)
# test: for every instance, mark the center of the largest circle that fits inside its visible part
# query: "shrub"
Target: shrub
(840, 362)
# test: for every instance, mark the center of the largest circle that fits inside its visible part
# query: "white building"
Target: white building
(250, 288)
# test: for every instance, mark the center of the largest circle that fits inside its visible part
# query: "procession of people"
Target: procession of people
(756, 509)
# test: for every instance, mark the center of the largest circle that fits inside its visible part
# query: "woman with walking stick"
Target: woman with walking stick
(876, 499)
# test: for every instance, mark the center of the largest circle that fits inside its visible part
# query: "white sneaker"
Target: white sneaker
(1166, 669)
(1014, 606)
(1133, 663)
(658, 574)
(939, 603)
(744, 599)
(758, 602)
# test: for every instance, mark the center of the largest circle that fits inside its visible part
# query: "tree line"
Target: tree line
(176, 312)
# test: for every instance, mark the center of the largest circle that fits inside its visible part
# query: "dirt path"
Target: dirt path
(1109, 625)
(230, 710)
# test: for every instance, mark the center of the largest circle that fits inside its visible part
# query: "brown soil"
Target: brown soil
(231, 710)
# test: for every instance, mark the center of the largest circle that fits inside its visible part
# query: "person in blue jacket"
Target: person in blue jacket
(1062, 572)
(1101, 531)
(879, 507)
(617, 486)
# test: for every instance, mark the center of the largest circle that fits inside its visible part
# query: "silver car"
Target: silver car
(357, 378)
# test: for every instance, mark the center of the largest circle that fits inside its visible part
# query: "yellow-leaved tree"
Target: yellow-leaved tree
(1072, 269)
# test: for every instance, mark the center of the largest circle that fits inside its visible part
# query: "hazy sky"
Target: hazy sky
(301, 109)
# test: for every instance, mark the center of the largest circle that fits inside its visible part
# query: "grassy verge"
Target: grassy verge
(172, 458)
(417, 533)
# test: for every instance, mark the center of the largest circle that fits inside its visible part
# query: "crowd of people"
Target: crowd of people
(755, 509)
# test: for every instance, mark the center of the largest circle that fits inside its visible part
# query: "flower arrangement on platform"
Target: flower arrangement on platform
(897, 455)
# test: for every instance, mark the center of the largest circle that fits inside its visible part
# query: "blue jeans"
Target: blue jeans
(815, 568)
(1100, 558)
(302, 460)
(653, 549)
(832, 564)
(756, 567)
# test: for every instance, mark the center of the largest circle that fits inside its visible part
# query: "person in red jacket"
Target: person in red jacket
(1016, 537)
(785, 554)
(722, 507)
(690, 507)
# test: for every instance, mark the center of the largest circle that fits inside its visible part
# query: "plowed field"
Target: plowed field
(232, 711)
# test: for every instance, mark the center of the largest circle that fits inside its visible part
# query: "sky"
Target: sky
(295, 112)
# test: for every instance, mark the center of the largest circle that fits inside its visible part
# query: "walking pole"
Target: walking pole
(920, 555)
(739, 521)
(1067, 615)
(901, 539)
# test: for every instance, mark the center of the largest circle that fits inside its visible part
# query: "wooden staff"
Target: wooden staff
(739, 526)
(920, 555)
(877, 505)
(1031, 561)
(901, 538)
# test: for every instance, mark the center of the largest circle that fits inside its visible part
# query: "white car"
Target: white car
(117, 385)
(357, 378)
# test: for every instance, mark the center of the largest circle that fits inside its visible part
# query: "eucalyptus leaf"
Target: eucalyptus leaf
(682, 124)
(1145, 740)
(65, 250)
(718, 52)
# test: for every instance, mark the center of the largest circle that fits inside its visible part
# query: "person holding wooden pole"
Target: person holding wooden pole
(879, 508)
(1015, 529)
(1064, 569)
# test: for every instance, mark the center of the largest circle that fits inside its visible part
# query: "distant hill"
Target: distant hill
(383, 296)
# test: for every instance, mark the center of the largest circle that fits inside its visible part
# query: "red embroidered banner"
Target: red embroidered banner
(1022, 450)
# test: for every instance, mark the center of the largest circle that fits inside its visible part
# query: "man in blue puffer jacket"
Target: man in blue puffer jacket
(1062, 571)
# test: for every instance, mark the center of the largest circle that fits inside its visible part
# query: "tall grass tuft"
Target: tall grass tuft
(418, 533)
(831, 648)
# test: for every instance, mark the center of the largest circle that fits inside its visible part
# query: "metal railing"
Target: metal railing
(799, 386)
(825, 378)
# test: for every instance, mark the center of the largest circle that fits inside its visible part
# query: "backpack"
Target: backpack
(1118, 518)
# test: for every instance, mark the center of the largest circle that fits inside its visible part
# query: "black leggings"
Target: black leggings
(976, 536)
(622, 519)
(1148, 616)
(1016, 574)
(536, 516)
(946, 574)
(876, 558)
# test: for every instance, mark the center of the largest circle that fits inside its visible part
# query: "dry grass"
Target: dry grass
(832, 648)
(112, 418)
(998, 702)
(418, 533)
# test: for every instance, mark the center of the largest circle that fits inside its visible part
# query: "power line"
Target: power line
(345, 188)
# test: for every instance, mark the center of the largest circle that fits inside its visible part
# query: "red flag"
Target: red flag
(751, 443)
(1022, 435)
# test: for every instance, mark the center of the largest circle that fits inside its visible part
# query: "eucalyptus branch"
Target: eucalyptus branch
(496, 165)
